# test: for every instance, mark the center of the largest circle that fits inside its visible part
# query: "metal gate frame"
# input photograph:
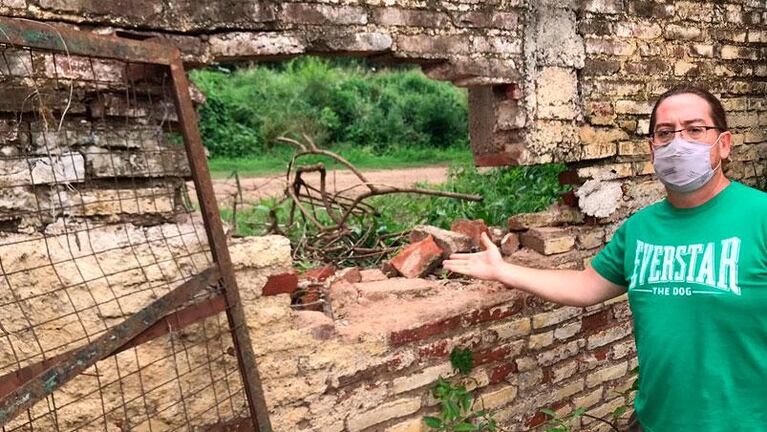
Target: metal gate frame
(21, 389)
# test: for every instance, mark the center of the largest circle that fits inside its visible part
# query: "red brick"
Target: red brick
(499, 373)
(601, 353)
(510, 243)
(351, 274)
(318, 274)
(471, 228)
(569, 177)
(283, 283)
(493, 313)
(490, 356)
(494, 159)
(595, 322)
(548, 375)
(437, 349)
(537, 419)
(426, 331)
(418, 259)
(513, 91)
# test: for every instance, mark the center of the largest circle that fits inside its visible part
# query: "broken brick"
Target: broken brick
(351, 274)
(418, 259)
(372, 275)
(471, 228)
(283, 283)
(509, 243)
(318, 274)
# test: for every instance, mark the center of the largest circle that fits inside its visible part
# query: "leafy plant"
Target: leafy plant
(339, 103)
(457, 402)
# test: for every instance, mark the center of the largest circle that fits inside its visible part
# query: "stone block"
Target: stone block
(106, 202)
(682, 32)
(559, 315)
(591, 238)
(500, 397)
(392, 16)
(608, 335)
(512, 329)
(102, 163)
(556, 92)
(245, 44)
(423, 378)
(381, 413)
(607, 374)
(323, 14)
(541, 340)
(557, 214)
(56, 169)
(449, 241)
(548, 241)
(637, 30)
(611, 47)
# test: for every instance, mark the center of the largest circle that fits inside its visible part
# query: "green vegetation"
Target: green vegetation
(398, 114)
(506, 191)
(458, 405)
(275, 162)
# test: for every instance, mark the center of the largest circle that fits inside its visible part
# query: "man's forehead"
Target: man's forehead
(684, 108)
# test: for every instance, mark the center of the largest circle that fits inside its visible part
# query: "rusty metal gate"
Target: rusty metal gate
(119, 308)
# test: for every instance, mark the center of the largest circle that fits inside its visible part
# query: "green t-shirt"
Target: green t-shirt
(697, 288)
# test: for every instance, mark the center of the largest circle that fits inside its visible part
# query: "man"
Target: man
(695, 268)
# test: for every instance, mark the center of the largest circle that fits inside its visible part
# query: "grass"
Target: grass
(275, 162)
(506, 191)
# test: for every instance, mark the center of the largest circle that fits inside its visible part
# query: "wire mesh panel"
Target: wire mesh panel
(117, 301)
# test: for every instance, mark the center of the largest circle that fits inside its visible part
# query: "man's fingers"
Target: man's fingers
(486, 241)
(461, 256)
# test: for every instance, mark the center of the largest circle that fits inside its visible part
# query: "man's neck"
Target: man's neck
(700, 196)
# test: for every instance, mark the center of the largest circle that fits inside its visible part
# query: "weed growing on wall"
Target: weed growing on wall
(460, 410)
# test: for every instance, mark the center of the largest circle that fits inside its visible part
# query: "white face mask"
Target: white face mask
(684, 166)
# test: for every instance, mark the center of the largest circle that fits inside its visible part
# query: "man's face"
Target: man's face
(685, 110)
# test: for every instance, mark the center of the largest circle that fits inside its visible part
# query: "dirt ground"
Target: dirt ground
(254, 188)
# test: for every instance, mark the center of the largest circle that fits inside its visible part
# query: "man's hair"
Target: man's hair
(717, 110)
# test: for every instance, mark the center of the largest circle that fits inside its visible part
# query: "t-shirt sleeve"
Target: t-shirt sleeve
(609, 261)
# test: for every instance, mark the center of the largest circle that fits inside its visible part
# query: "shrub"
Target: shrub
(335, 102)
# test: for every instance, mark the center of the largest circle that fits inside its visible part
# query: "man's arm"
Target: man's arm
(568, 287)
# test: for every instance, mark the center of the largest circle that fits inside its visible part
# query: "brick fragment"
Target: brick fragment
(418, 259)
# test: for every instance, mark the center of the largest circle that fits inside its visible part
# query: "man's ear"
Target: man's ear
(725, 145)
(652, 151)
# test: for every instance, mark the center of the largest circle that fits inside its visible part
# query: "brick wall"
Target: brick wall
(372, 366)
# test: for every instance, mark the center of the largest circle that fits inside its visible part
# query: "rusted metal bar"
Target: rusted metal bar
(176, 320)
(57, 375)
(44, 36)
(216, 238)
(236, 425)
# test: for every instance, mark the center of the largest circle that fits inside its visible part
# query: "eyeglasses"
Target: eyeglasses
(664, 135)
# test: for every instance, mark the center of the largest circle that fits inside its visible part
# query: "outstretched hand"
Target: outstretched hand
(480, 265)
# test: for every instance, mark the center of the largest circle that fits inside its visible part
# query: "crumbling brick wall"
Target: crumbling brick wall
(569, 81)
